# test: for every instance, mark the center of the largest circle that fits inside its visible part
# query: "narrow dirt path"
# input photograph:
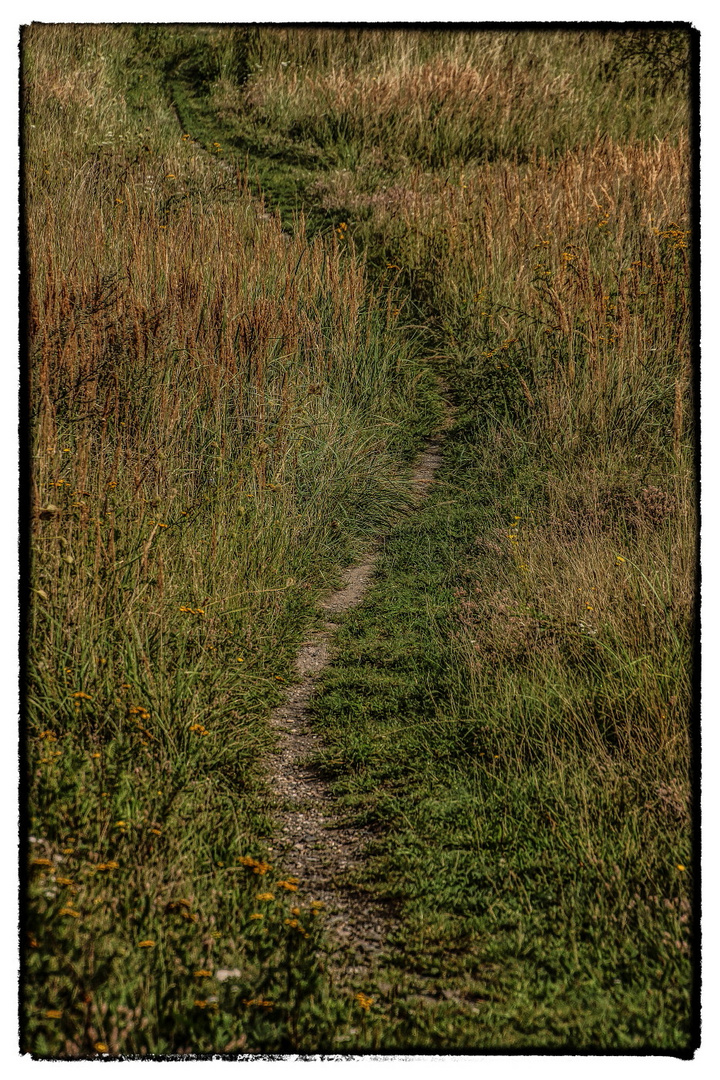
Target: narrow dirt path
(313, 842)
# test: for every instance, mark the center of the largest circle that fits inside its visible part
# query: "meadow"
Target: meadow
(263, 265)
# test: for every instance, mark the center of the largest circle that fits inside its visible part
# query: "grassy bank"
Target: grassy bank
(223, 403)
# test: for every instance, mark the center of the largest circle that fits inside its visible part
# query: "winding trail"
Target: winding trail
(313, 842)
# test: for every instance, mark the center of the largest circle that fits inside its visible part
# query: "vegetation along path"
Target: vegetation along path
(350, 727)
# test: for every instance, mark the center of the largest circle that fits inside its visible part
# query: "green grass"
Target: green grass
(225, 403)
(519, 827)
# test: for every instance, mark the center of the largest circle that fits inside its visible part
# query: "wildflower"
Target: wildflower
(680, 866)
(265, 896)
(199, 729)
(70, 911)
(262, 1002)
(364, 1001)
(41, 862)
(156, 832)
(240, 659)
(290, 885)
(140, 711)
(257, 915)
(149, 944)
(81, 696)
(101, 1047)
(175, 904)
(256, 865)
(295, 911)
(204, 974)
(53, 1014)
(317, 905)
(170, 176)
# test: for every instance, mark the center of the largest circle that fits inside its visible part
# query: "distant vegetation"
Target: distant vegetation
(260, 259)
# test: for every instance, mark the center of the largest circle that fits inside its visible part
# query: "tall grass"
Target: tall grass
(221, 404)
(558, 293)
(218, 418)
(563, 293)
(541, 225)
(397, 97)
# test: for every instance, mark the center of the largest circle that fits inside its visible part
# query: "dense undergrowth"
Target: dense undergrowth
(222, 405)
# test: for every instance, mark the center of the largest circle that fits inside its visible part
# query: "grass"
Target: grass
(218, 421)
(526, 780)
(224, 403)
